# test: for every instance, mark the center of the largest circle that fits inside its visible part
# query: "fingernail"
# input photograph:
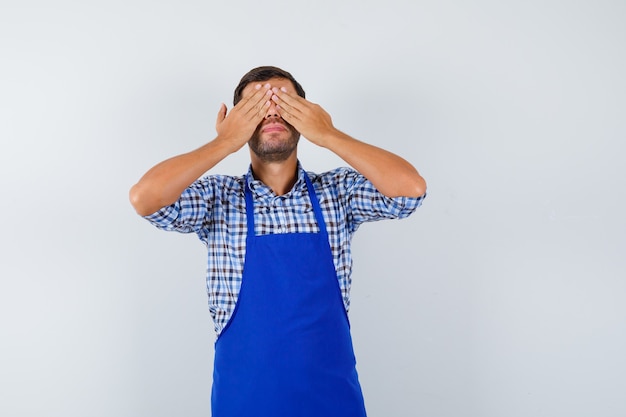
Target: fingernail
(257, 87)
(267, 85)
(283, 89)
(275, 90)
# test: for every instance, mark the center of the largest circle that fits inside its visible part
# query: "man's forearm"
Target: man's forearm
(392, 175)
(163, 184)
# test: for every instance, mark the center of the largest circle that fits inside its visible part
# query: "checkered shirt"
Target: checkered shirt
(214, 208)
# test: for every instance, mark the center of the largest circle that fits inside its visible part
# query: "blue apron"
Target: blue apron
(287, 349)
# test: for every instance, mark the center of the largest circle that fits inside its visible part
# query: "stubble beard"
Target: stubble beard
(272, 150)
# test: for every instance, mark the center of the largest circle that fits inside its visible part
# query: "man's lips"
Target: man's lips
(273, 127)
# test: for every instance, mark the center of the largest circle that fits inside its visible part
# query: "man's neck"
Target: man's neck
(279, 176)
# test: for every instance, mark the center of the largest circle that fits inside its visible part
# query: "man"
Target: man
(278, 242)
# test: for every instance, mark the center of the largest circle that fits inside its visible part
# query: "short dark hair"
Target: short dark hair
(263, 74)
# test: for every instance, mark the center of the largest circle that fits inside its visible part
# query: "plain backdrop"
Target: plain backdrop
(502, 296)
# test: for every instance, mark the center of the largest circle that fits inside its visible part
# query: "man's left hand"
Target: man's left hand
(310, 119)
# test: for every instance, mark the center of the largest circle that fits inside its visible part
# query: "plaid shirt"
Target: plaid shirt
(213, 207)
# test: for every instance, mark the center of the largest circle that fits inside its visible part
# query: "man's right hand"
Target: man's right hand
(237, 127)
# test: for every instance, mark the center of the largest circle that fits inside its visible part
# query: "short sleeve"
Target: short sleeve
(190, 212)
(365, 203)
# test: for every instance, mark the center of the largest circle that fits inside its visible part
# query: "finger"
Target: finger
(294, 105)
(221, 114)
(293, 100)
(256, 104)
(289, 114)
(288, 117)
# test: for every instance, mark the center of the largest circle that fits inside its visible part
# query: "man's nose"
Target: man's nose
(272, 111)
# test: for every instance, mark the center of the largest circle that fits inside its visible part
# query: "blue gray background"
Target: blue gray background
(502, 296)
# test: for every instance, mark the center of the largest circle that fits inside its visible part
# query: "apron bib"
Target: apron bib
(287, 349)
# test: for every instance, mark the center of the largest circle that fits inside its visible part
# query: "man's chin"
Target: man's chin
(272, 155)
(272, 148)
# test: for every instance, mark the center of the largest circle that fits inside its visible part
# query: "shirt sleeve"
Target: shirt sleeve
(190, 212)
(365, 203)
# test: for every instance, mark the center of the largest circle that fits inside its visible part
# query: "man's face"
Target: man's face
(274, 139)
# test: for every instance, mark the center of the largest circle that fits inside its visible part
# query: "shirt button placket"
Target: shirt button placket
(279, 215)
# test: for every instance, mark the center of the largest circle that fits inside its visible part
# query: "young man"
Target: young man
(278, 242)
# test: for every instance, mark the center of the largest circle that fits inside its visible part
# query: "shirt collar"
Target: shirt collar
(262, 190)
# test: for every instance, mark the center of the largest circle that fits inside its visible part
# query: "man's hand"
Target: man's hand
(237, 127)
(310, 119)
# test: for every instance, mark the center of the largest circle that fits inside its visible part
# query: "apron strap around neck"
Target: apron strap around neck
(316, 205)
(249, 206)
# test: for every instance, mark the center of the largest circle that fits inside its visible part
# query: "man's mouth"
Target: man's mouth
(273, 127)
